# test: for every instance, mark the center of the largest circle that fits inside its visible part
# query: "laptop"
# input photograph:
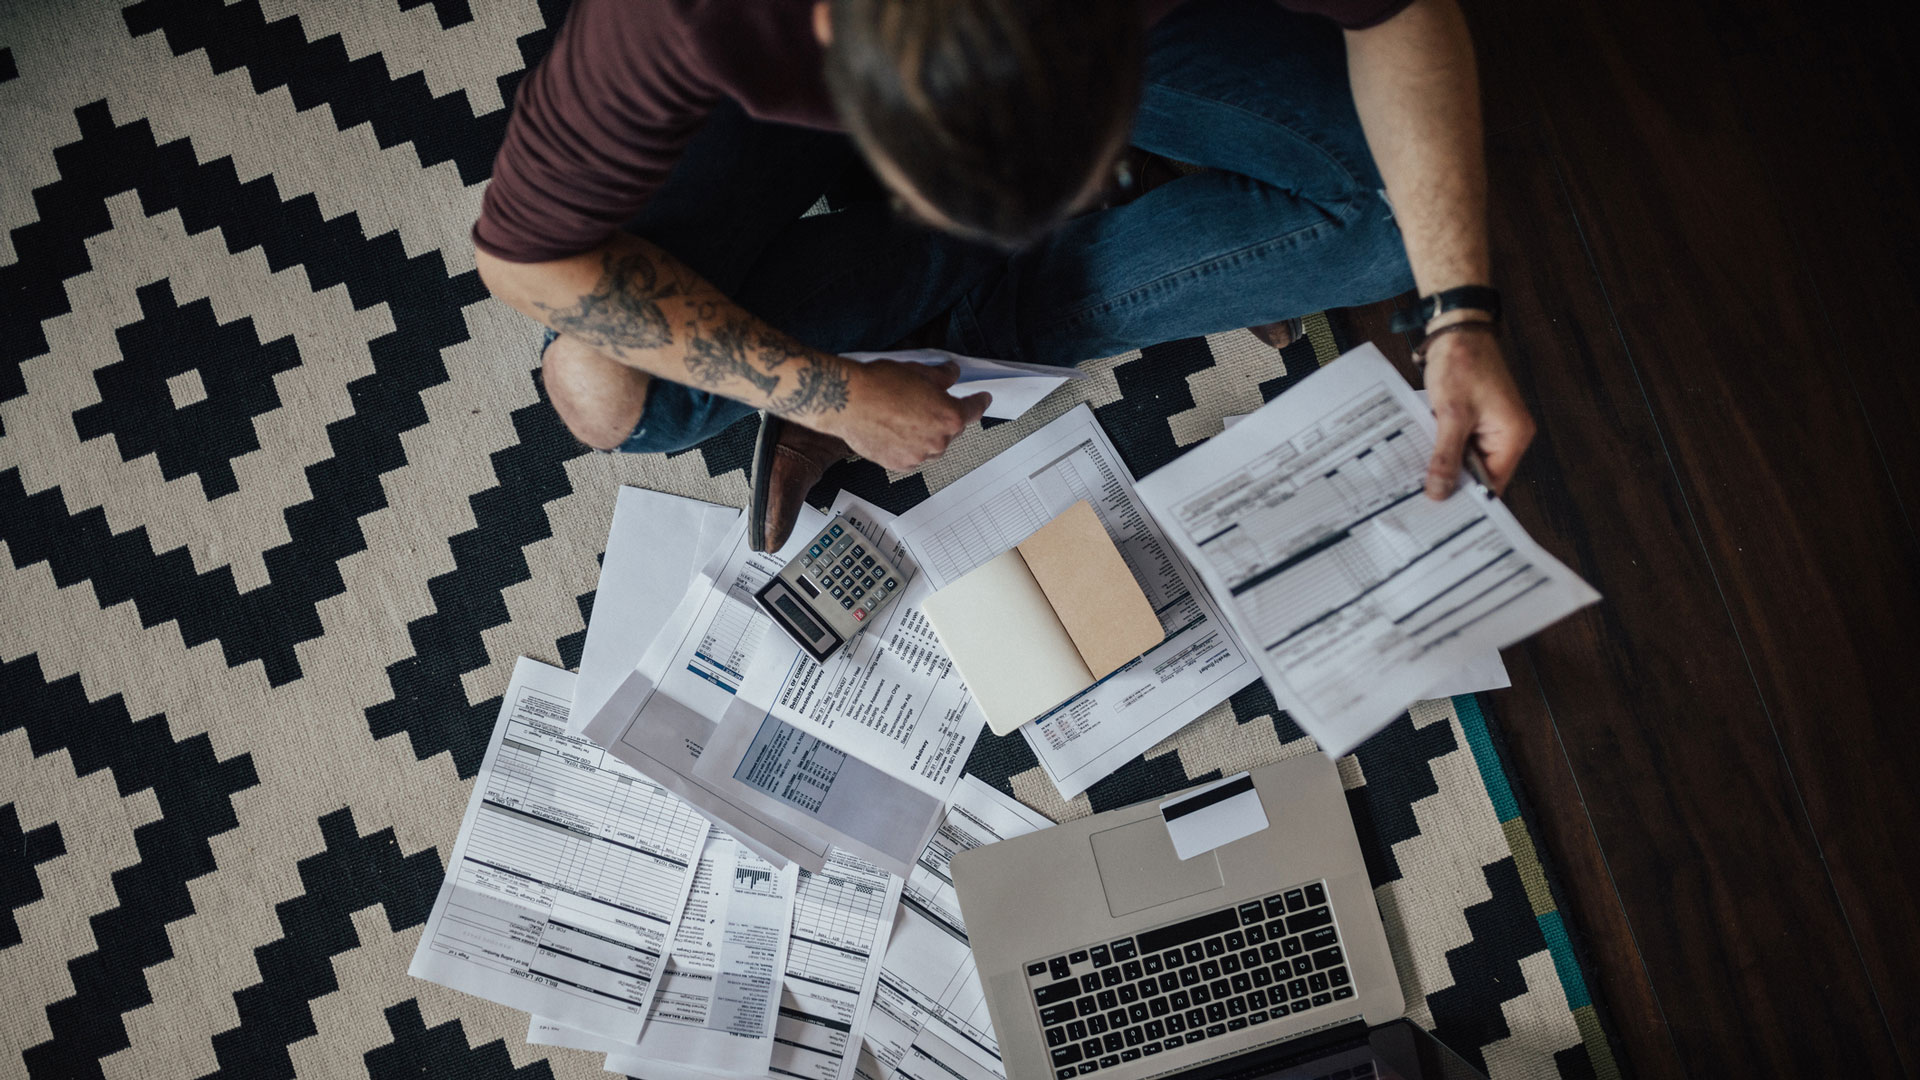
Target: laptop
(1103, 954)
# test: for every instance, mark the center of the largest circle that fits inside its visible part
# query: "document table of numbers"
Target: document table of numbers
(1354, 589)
(568, 877)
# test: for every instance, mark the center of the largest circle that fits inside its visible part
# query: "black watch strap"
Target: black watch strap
(1477, 297)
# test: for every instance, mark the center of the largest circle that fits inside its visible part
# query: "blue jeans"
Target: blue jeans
(1291, 218)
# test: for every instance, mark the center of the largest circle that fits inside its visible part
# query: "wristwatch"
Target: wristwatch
(1477, 297)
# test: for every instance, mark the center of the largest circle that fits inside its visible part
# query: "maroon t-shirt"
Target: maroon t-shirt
(599, 123)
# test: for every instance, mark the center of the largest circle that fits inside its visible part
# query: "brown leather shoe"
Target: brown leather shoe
(788, 460)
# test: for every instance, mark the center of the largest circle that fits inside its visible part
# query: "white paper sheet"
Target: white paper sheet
(929, 1013)
(841, 919)
(656, 544)
(1016, 387)
(718, 1000)
(1356, 593)
(665, 712)
(862, 750)
(569, 874)
(717, 1010)
(1003, 502)
(1482, 671)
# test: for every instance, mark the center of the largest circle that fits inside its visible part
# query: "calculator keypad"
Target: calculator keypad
(848, 570)
(851, 578)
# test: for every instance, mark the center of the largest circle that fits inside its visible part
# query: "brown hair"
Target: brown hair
(996, 111)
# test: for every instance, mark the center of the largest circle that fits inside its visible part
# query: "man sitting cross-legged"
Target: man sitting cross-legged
(650, 205)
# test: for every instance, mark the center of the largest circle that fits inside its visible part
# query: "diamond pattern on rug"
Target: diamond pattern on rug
(168, 359)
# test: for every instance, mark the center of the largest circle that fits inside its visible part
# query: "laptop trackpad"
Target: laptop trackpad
(1139, 869)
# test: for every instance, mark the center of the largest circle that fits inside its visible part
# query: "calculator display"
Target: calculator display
(812, 636)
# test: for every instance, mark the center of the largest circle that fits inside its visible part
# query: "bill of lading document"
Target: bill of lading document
(1354, 591)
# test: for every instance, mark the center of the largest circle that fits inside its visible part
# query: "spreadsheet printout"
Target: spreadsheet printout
(892, 698)
(666, 712)
(715, 1010)
(725, 1022)
(569, 874)
(864, 748)
(1356, 592)
(841, 918)
(657, 542)
(1001, 503)
(929, 1012)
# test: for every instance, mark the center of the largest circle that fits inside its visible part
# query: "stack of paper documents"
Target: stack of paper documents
(710, 856)
(591, 897)
(594, 897)
(797, 757)
(610, 911)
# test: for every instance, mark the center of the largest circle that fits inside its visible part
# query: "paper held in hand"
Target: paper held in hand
(1355, 592)
(1015, 387)
(1044, 620)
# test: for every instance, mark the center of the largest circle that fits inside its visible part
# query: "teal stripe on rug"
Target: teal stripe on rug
(1552, 928)
(1467, 707)
(1571, 983)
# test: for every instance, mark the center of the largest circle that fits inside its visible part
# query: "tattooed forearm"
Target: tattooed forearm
(762, 358)
(820, 387)
(722, 353)
(623, 311)
(645, 302)
(777, 348)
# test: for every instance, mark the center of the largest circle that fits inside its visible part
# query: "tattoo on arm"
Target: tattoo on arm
(715, 357)
(819, 386)
(623, 311)
(819, 389)
(733, 350)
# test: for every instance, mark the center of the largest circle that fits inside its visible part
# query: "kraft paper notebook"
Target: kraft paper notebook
(1043, 621)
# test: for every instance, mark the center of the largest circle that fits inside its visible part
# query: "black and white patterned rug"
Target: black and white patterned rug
(280, 504)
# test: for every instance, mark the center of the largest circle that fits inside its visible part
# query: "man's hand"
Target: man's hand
(901, 415)
(1475, 402)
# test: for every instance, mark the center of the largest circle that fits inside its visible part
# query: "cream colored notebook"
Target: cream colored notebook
(1037, 624)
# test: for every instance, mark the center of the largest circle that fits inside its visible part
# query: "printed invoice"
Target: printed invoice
(862, 750)
(1355, 591)
(715, 1010)
(841, 917)
(569, 874)
(664, 714)
(929, 1014)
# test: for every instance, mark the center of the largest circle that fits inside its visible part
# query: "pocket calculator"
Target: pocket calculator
(832, 590)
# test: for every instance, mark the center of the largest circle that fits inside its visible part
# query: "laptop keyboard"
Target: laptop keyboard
(1114, 1002)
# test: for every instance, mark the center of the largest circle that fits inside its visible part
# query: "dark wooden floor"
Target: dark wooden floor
(1706, 222)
